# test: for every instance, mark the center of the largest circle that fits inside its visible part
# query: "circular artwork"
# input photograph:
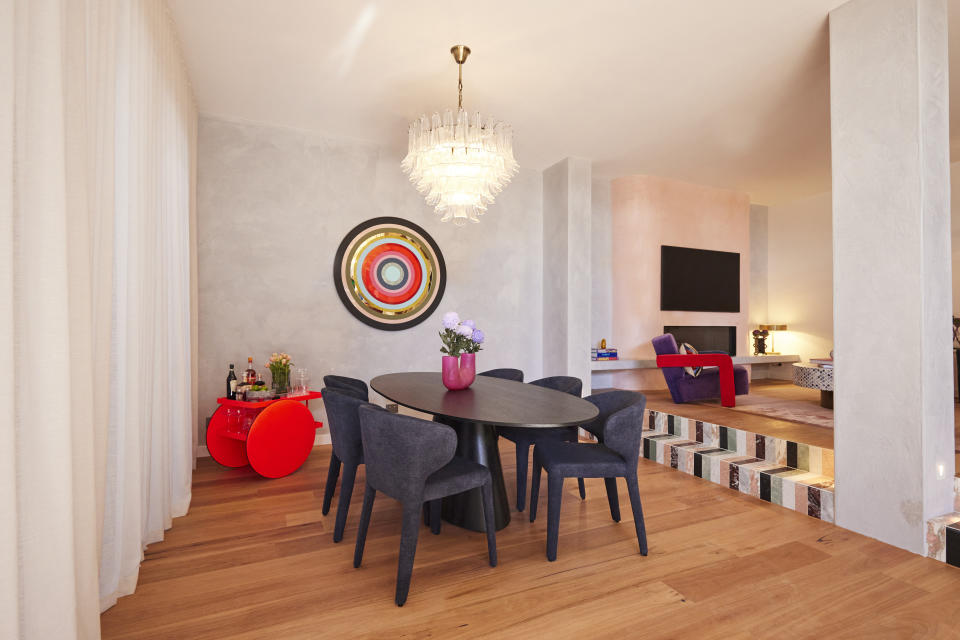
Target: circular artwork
(389, 273)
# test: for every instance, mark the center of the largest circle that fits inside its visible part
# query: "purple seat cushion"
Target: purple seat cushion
(685, 388)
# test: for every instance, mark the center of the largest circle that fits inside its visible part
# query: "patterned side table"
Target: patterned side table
(814, 376)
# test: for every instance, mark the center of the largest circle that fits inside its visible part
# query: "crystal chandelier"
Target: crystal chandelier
(460, 163)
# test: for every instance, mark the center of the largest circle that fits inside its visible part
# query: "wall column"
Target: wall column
(566, 269)
(891, 257)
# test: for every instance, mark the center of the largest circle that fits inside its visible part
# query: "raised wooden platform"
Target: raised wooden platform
(659, 400)
(254, 559)
(785, 462)
(790, 474)
(712, 412)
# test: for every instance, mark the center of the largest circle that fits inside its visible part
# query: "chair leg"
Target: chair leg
(368, 497)
(346, 492)
(523, 455)
(613, 498)
(408, 548)
(535, 486)
(332, 474)
(487, 491)
(554, 497)
(575, 437)
(637, 507)
(434, 509)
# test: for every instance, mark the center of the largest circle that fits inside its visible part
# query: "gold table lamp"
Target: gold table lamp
(772, 328)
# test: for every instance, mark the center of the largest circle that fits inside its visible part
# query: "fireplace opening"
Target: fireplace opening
(706, 338)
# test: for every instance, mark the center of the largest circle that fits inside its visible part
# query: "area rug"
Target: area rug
(801, 412)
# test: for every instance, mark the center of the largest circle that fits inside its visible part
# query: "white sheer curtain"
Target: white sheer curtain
(49, 514)
(97, 312)
(150, 439)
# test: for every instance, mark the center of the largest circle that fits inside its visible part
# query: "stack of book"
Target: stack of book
(603, 354)
(825, 363)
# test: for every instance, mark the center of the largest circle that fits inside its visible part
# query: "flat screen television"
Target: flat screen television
(699, 280)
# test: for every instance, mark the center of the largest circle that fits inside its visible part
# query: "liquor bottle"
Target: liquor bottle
(250, 375)
(260, 383)
(231, 385)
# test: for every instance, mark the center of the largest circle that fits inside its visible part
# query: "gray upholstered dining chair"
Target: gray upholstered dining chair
(344, 423)
(356, 388)
(608, 403)
(616, 458)
(524, 438)
(411, 460)
(504, 374)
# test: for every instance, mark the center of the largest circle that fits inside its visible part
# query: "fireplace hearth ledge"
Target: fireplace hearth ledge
(620, 365)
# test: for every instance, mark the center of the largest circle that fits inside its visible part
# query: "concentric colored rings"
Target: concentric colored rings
(389, 273)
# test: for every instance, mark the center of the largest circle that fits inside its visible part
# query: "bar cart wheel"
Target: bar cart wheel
(280, 439)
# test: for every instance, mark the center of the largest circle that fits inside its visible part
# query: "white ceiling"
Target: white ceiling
(732, 94)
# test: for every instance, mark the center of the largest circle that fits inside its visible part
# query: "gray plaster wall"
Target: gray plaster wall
(555, 283)
(601, 273)
(566, 269)
(758, 265)
(274, 204)
(891, 275)
(601, 263)
(579, 280)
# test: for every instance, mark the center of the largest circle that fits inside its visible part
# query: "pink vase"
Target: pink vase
(459, 373)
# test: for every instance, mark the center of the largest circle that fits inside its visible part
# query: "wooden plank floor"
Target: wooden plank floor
(255, 559)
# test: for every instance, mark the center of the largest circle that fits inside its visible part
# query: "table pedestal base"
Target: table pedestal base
(477, 442)
(826, 399)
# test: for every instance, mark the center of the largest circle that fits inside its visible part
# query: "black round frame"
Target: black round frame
(341, 285)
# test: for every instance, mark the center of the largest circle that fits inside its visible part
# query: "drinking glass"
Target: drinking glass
(302, 382)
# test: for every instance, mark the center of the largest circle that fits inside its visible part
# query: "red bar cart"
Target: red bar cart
(272, 436)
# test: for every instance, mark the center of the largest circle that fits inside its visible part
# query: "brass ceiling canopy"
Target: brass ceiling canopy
(460, 52)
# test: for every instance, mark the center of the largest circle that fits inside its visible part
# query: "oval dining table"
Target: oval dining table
(475, 413)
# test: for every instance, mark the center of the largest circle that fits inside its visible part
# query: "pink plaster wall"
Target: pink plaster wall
(647, 212)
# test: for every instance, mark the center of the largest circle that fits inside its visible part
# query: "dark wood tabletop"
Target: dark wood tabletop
(488, 400)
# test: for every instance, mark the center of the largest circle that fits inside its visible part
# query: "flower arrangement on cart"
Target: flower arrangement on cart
(279, 365)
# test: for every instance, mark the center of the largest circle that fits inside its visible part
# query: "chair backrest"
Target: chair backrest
(666, 345)
(400, 451)
(609, 403)
(344, 424)
(623, 431)
(504, 374)
(356, 388)
(566, 384)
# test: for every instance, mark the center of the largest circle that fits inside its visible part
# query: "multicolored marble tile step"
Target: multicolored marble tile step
(798, 489)
(943, 538)
(784, 453)
(943, 532)
(952, 544)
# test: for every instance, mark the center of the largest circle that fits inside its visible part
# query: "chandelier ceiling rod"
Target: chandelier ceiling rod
(460, 53)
